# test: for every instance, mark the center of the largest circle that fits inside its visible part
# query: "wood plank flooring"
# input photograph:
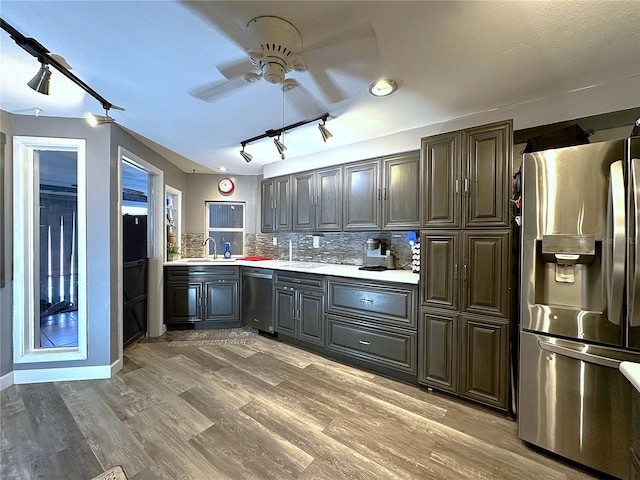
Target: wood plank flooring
(266, 410)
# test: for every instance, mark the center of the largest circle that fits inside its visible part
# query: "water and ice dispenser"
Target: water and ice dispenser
(569, 271)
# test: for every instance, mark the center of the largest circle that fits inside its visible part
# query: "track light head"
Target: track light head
(40, 83)
(246, 155)
(94, 119)
(326, 134)
(280, 146)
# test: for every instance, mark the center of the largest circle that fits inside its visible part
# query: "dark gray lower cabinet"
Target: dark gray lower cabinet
(465, 355)
(386, 346)
(202, 296)
(299, 307)
(373, 323)
(438, 364)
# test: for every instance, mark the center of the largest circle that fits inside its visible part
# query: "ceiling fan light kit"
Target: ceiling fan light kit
(383, 87)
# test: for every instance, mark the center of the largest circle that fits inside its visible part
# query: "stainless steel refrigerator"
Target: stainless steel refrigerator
(580, 313)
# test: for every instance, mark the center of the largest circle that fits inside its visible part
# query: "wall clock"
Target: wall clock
(226, 186)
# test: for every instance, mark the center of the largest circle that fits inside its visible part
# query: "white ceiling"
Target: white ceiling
(451, 59)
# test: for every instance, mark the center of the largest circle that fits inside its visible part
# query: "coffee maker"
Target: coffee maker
(376, 255)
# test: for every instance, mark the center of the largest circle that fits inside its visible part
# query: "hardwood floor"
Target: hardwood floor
(265, 411)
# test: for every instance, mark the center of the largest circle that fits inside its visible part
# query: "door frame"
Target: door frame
(155, 247)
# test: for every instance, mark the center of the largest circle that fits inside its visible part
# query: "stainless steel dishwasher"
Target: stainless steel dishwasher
(257, 298)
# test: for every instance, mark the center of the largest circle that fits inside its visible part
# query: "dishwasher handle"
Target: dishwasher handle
(268, 275)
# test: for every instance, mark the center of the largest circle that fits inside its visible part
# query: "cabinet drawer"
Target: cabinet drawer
(390, 347)
(221, 272)
(383, 302)
(297, 280)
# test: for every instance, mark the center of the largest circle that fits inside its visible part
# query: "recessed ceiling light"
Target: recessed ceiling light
(383, 87)
(223, 169)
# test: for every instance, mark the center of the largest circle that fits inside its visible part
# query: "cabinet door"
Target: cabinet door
(310, 317)
(439, 268)
(282, 203)
(438, 351)
(267, 205)
(329, 200)
(401, 193)
(442, 177)
(222, 301)
(362, 196)
(284, 305)
(484, 360)
(485, 273)
(488, 175)
(183, 302)
(303, 203)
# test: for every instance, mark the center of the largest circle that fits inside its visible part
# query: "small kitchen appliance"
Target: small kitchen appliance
(376, 255)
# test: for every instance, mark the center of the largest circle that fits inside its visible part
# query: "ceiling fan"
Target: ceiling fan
(274, 49)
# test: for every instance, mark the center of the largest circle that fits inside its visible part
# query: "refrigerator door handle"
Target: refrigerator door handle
(616, 240)
(634, 270)
(578, 355)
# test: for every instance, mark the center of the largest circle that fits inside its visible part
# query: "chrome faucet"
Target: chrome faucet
(215, 246)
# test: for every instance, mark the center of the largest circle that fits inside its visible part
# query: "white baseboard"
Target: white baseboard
(6, 380)
(41, 375)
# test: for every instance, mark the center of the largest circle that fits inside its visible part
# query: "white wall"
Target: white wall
(204, 187)
(6, 294)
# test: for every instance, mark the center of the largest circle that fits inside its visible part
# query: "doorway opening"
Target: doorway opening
(135, 209)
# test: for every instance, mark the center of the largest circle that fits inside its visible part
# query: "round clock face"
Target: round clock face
(226, 186)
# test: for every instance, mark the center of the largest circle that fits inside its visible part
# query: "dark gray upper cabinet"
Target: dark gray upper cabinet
(487, 152)
(467, 177)
(442, 172)
(401, 192)
(362, 195)
(275, 196)
(383, 193)
(317, 200)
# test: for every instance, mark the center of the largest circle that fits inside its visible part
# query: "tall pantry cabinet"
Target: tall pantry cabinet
(465, 263)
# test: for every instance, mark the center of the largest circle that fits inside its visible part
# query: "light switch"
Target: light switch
(316, 241)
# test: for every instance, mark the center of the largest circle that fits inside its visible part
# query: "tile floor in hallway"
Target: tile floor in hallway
(60, 330)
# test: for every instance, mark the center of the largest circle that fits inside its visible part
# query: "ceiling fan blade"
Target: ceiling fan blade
(211, 92)
(222, 18)
(329, 88)
(236, 69)
(302, 99)
(356, 44)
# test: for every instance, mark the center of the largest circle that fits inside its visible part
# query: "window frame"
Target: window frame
(243, 230)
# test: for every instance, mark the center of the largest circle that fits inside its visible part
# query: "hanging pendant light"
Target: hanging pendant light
(326, 134)
(94, 119)
(280, 146)
(246, 155)
(40, 83)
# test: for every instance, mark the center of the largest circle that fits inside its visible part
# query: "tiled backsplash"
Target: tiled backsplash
(335, 247)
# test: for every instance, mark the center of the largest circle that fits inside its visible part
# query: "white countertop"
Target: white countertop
(328, 269)
(631, 370)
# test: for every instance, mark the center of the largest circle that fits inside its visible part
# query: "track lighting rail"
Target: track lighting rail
(276, 133)
(35, 48)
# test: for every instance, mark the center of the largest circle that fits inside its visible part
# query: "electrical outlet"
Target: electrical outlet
(316, 242)
(275, 240)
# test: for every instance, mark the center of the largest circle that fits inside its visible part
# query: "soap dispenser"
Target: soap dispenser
(227, 250)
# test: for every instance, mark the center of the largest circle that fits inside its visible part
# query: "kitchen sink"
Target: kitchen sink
(208, 260)
(285, 263)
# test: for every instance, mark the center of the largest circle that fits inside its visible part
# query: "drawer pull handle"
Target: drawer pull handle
(364, 342)
(366, 300)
